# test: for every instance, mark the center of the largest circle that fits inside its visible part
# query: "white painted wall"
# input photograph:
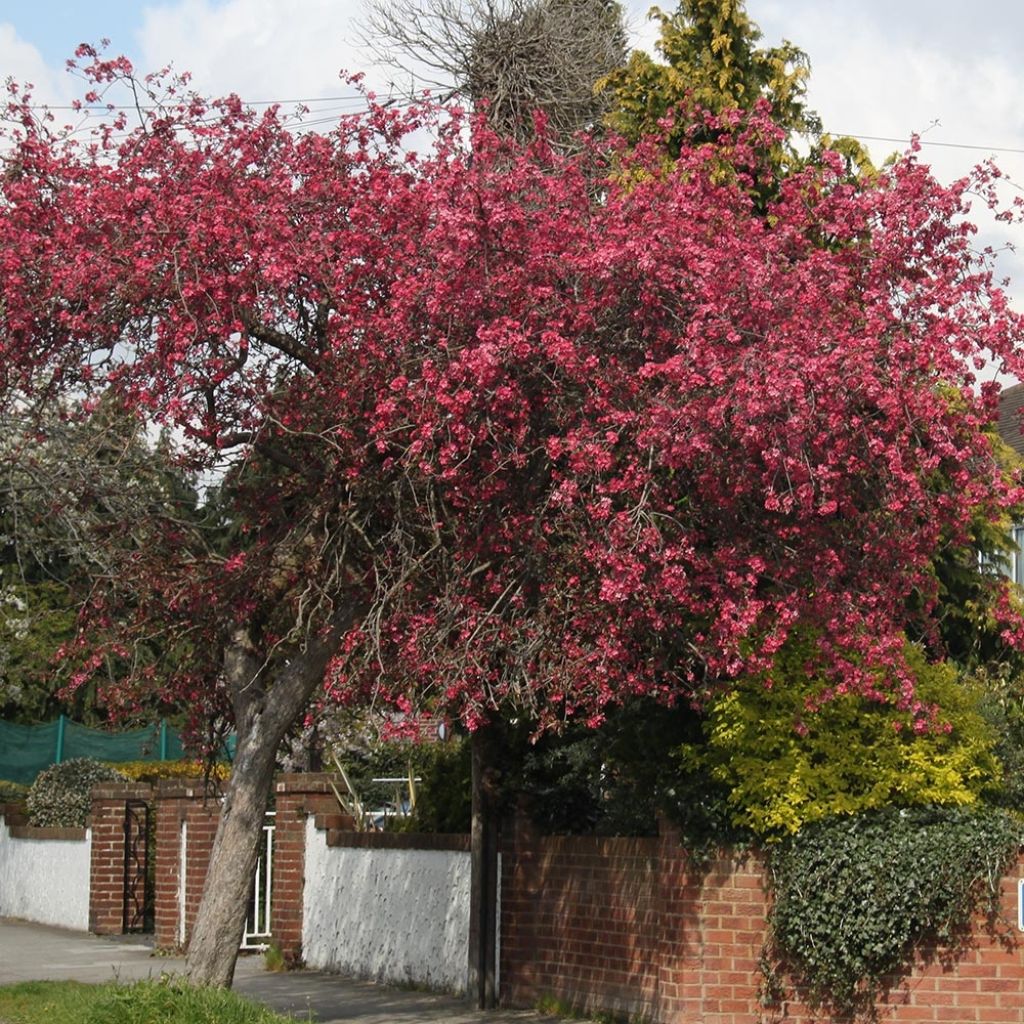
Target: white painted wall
(389, 915)
(45, 880)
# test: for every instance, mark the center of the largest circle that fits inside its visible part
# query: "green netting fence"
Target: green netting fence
(25, 750)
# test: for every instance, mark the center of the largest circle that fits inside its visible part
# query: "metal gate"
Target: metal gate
(257, 921)
(138, 880)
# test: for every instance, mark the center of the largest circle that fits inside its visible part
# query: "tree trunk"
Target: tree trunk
(220, 922)
(263, 713)
(483, 898)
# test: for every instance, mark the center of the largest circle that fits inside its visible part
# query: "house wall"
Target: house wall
(384, 907)
(44, 874)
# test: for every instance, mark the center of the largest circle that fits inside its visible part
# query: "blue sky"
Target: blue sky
(56, 27)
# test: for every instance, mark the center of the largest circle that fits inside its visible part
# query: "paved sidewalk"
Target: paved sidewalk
(34, 952)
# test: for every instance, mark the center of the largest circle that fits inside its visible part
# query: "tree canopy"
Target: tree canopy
(498, 430)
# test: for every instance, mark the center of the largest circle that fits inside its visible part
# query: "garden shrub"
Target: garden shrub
(1003, 708)
(617, 778)
(854, 896)
(786, 766)
(12, 792)
(183, 768)
(60, 795)
(444, 793)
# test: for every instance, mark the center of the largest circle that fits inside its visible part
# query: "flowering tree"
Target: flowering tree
(494, 430)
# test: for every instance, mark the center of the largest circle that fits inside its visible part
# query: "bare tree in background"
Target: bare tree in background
(518, 55)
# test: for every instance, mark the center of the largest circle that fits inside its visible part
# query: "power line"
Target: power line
(105, 107)
(927, 142)
(357, 102)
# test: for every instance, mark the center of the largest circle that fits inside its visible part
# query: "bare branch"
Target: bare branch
(517, 55)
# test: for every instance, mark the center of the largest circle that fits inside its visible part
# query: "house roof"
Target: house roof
(1011, 404)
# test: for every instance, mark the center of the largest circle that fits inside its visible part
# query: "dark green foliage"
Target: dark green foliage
(60, 796)
(1003, 708)
(617, 780)
(443, 795)
(854, 896)
(442, 792)
(571, 786)
(35, 619)
(12, 792)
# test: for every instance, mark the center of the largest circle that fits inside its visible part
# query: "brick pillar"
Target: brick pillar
(106, 868)
(296, 797)
(186, 817)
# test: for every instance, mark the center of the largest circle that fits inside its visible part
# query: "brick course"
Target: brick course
(196, 809)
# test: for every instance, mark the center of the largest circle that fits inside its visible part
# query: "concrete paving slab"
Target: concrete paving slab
(35, 952)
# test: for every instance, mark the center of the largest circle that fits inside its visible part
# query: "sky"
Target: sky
(881, 69)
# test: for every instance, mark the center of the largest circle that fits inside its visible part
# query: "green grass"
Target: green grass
(167, 1001)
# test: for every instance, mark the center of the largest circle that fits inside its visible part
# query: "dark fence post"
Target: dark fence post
(60, 739)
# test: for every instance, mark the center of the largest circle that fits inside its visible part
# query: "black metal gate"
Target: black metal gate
(138, 879)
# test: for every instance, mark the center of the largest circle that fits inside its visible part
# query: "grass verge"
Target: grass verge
(168, 1001)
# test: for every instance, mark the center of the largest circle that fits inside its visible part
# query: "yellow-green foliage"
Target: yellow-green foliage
(711, 62)
(786, 766)
(185, 768)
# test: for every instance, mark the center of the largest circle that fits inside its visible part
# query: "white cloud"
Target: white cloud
(22, 62)
(261, 49)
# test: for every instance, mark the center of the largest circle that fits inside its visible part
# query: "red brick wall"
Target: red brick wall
(106, 879)
(624, 925)
(579, 921)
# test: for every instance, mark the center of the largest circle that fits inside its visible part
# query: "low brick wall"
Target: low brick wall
(625, 925)
(44, 873)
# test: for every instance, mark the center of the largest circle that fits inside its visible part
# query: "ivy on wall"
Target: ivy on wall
(854, 897)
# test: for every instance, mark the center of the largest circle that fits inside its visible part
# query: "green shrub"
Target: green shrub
(1003, 708)
(183, 768)
(443, 794)
(60, 795)
(12, 792)
(854, 896)
(785, 766)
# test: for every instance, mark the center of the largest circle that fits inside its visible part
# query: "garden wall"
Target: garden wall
(620, 925)
(625, 925)
(44, 873)
(391, 908)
